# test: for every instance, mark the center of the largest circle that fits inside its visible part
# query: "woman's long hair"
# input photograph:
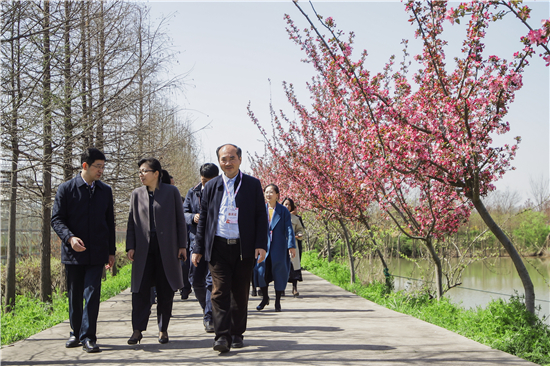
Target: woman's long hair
(291, 201)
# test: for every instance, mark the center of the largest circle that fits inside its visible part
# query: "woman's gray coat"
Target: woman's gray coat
(171, 232)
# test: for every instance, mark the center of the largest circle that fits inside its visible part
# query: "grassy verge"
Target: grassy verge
(31, 316)
(502, 325)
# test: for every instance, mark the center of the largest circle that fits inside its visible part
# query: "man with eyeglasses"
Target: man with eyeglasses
(83, 218)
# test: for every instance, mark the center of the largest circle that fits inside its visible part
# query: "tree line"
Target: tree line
(526, 225)
(77, 74)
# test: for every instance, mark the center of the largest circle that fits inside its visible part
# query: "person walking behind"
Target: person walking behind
(166, 178)
(231, 234)
(199, 276)
(156, 238)
(281, 246)
(295, 274)
(83, 218)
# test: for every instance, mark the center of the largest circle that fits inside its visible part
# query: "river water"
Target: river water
(481, 281)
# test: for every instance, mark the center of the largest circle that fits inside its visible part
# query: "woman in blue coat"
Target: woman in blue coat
(281, 246)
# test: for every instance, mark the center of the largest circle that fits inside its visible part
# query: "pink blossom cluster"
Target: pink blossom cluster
(499, 8)
(418, 146)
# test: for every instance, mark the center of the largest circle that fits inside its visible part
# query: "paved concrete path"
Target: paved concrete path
(324, 326)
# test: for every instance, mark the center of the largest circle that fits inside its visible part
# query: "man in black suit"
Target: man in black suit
(199, 276)
(83, 218)
(231, 236)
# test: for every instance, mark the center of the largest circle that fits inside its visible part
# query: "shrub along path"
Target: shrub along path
(326, 325)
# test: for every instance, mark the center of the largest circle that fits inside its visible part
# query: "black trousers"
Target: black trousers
(153, 275)
(185, 269)
(230, 286)
(201, 280)
(84, 284)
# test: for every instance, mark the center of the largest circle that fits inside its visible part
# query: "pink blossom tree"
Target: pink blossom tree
(380, 138)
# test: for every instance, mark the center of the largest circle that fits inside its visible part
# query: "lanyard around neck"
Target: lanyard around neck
(229, 193)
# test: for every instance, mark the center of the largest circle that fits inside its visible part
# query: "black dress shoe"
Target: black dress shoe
(163, 337)
(208, 326)
(253, 292)
(221, 345)
(263, 304)
(237, 342)
(90, 346)
(72, 342)
(135, 338)
(185, 294)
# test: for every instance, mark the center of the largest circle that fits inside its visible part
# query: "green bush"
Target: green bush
(502, 325)
(27, 272)
(27, 275)
(31, 316)
(533, 230)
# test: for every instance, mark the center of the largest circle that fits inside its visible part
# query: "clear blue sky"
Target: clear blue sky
(233, 49)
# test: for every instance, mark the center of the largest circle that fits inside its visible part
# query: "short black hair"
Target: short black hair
(165, 178)
(291, 201)
(239, 151)
(90, 155)
(209, 170)
(154, 165)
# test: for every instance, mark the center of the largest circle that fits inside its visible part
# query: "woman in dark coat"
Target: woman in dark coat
(295, 267)
(281, 246)
(156, 238)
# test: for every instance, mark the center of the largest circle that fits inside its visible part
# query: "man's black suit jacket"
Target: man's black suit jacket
(191, 207)
(252, 216)
(88, 217)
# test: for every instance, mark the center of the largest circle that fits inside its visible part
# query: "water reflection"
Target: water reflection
(482, 281)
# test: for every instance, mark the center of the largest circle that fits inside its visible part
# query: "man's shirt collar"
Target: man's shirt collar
(80, 181)
(232, 180)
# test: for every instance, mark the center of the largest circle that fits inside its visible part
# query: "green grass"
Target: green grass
(31, 316)
(502, 325)
(114, 285)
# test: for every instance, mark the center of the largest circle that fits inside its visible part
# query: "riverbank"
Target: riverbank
(502, 325)
(31, 316)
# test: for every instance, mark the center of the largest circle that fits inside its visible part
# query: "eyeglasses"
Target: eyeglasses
(99, 167)
(145, 171)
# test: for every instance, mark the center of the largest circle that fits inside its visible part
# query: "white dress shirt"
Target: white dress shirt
(225, 230)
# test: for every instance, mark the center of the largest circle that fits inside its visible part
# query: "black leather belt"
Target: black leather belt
(227, 241)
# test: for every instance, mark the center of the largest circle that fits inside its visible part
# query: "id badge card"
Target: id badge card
(232, 216)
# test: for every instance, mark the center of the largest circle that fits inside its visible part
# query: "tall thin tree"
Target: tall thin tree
(45, 248)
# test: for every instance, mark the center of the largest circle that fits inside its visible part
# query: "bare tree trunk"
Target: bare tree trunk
(68, 91)
(67, 112)
(45, 248)
(12, 248)
(84, 88)
(350, 252)
(438, 268)
(100, 141)
(140, 121)
(512, 252)
(329, 255)
(15, 78)
(90, 107)
(365, 222)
